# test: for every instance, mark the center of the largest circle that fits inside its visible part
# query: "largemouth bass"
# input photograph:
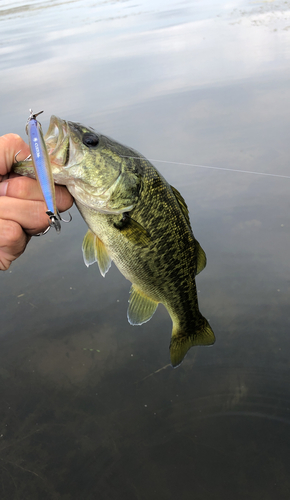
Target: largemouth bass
(135, 219)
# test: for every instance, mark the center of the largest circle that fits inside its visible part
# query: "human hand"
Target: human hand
(22, 209)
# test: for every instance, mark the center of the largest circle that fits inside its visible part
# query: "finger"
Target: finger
(13, 241)
(28, 189)
(22, 188)
(29, 214)
(10, 144)
(64, 199)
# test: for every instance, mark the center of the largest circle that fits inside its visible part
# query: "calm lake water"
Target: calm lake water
(89, 405)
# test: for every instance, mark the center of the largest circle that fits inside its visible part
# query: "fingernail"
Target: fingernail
(3, 188)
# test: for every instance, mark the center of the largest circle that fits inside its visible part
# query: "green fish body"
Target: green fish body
(137, 220)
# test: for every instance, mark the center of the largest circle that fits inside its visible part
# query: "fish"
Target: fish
(138, 221)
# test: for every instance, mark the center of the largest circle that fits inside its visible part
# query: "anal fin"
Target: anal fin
(141, 307)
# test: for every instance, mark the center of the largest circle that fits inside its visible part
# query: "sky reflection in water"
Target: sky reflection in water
(88, 404)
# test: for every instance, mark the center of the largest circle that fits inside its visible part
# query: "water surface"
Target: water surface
(89, 406)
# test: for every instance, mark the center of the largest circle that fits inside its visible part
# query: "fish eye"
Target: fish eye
(90, 139)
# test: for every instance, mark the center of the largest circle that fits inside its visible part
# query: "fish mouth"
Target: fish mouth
(63, 141)
(57, 141)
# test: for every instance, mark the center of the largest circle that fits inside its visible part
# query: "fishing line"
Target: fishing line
(207, 166)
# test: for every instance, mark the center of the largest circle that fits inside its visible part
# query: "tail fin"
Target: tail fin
(181, 341)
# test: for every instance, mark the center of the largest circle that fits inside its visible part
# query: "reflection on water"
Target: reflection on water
(160, 435)
(89, 407)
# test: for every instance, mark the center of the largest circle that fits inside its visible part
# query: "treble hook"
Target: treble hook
(55, 219)
(54, 222)
(44, 232)
(15, 157)
(63, 220)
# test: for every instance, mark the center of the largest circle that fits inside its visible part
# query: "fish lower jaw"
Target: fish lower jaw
(86, 199)
(94, 202)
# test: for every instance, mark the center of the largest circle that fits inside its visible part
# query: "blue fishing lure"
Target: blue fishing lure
(41, 162)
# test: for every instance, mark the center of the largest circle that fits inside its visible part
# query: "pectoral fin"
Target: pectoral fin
(132, 230)
(89, 249)
(94, 250)
(141, 307)
(182, 341)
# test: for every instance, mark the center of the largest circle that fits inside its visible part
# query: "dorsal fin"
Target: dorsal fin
(200, 254)
(141, 307)
(94, 250)
(181, 202)
(201, 258)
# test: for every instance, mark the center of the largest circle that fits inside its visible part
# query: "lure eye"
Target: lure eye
(90, 140)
